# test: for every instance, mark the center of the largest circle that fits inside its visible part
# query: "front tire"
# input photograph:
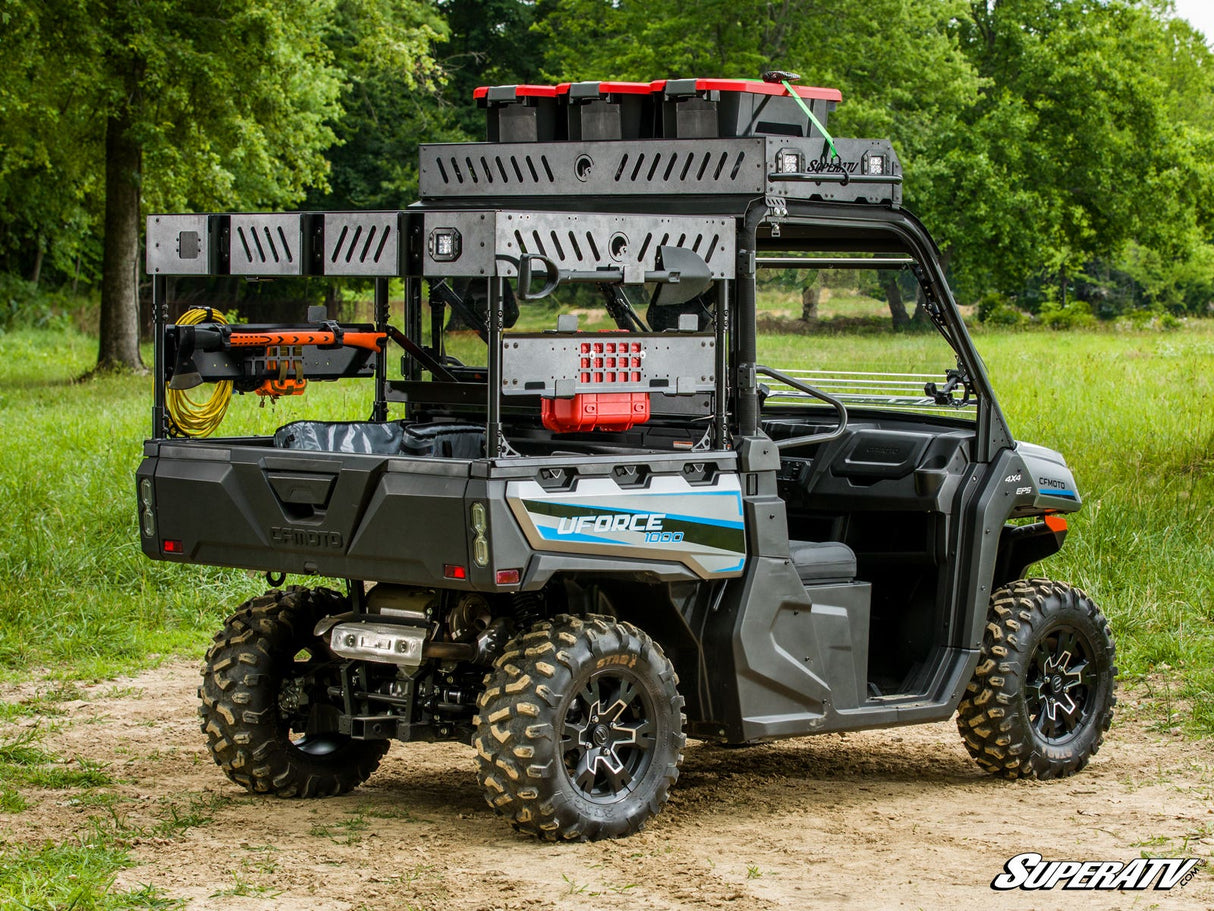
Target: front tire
(1042, 695)
(580, 730)
(269, 720)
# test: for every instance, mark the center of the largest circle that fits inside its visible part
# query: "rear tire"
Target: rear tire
(270, 723)
(580, 730)
(1042, 694)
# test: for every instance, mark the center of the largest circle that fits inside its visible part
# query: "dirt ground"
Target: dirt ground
(884, 820)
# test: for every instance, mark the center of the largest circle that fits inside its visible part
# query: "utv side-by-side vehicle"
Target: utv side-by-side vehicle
(584, 518)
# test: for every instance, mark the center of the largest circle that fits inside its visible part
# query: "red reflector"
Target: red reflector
(172, 547)
(1055, 523)
(454, 571)
(506, 577)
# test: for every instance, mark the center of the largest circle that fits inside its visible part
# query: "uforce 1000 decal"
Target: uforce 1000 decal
(671, 520)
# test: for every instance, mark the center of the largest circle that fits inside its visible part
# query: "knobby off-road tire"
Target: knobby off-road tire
(270, 724)
(580, 730)
(1042, 694)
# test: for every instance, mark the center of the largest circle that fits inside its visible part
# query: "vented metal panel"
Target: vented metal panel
(601, 168)
(587, 242)
(652, 167)
(362, 243)
(556, 364)
(180, 245)
(271, 244)
(474, 234)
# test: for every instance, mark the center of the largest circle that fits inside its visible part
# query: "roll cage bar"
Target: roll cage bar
(716, 243)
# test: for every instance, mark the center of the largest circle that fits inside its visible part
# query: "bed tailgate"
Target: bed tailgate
(333, 514)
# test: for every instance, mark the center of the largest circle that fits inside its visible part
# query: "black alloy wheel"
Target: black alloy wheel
(607, 736)
(1042, 695)
(580, 729)
(1058, 687)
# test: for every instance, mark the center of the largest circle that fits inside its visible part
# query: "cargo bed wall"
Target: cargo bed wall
(332, 514)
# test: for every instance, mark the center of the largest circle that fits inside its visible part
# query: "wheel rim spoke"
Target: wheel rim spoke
(1069, 709)
(1079, 675)
(1041, 662)
(1059, 684)
(585, 772)
(572, 737)
(638, 735)
(1044, 722)
(623, 698)
(618, 777)
(608, 735)
(590, 697)
(1067, 645)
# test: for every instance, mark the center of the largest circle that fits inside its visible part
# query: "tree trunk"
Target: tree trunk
(37, 277)
(893, 293)
(811, 295)
(119, 346)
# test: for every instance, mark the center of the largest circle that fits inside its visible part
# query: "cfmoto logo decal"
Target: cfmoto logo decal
(305, 537)
(621, 521)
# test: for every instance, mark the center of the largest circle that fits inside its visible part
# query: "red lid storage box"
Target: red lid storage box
(728, 108)
(608, 110)
(595, 411)
(520, 113)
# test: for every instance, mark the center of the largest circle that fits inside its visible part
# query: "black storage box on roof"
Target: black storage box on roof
(727, 108)
(520, 113)
(608, 110)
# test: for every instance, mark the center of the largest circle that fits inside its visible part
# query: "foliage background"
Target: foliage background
(1062, 151)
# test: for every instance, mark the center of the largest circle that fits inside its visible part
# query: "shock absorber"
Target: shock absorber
(528, 609)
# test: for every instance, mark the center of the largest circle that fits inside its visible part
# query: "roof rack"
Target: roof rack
(668, 137)
(662, 109)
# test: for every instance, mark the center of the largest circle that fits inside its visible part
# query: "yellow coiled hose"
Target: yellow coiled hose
(199, 418)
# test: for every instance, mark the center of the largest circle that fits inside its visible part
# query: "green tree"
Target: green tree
(50, 188)
(1172, 257)
(898, 62)
(222, 101)
(391, 101)
(391, 109)
(1071, 151)
(491, 44)
(190, 104)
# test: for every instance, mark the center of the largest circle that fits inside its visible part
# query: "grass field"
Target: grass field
(1131, 411)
